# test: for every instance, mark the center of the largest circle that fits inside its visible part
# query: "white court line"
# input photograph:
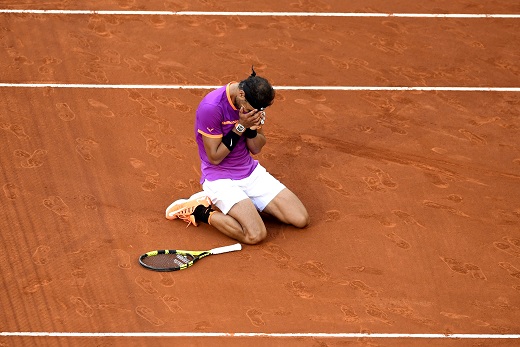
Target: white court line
(324, 88)
(266, 14)
(274, 335)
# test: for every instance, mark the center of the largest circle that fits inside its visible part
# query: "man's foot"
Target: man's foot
(184, 208)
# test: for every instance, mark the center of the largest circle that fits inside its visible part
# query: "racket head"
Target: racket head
(170, 260)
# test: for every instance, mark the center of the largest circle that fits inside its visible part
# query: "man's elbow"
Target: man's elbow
(215, 161)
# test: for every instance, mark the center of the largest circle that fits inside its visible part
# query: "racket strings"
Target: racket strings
(168, 261)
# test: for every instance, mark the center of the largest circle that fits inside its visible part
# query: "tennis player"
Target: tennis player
(229, 130)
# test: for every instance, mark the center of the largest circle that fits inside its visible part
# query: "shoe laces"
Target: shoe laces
(187, 219)
(185, 214)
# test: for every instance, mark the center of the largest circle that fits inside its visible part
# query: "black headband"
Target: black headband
(249, 97)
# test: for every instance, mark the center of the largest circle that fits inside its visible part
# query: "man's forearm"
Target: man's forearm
(256, 144)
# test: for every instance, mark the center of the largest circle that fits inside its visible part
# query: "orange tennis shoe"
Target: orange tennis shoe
(183, 208)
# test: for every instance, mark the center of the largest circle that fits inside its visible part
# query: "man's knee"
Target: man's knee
(256, 235)
(301, 220)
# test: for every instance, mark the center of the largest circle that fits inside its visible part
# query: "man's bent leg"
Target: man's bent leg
(289, 209)
(242, 223)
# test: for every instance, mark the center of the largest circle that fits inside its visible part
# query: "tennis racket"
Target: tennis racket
(173, 260)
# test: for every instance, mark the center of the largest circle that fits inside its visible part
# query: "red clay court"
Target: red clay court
(400, 133)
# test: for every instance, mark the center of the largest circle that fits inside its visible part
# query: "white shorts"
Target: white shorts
(261, 187)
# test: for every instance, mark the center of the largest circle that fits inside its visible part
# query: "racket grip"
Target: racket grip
(225, 249)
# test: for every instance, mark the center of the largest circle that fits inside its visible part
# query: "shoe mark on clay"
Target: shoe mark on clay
(157, 21)
(311, 6)
(64, 112)
(332, 184)
(473, 137)
(136, 163)
(151, 181)
(507, 217)
(81, 306)
(11, 191)
(134, 65)
(475, 271)
(455, 198)
(41, 255)
(349, 314)
(79, 277)
(154, 47)
(337, 63)
(84, 147)
(127, 4)
(373, 184)
(364, 269)
(363, 287)
(93, 71)
(436, 176)
(90, 202)
(316, 95)
(34, 285)
(384, 178)
(56, 205)
(18, 59)
(98, 26)
(47, 67)
(33, 160)
(210, 79)
(444, 207)
(150, 111)
(454, 315)
(384, 221)
(479, 121)
(171, 302)
(171, 102)
(298, 289)
(407, 218)
(276, 253)
(167, 279)
(331, 42)
(332, 215)
(111, 57)
(455, 265)
(123, 259)
(171, 74)
(326, 163)
(379, 101)
(505, 64)
(255, 316)
(15, 129)
(314, 269)
(464, 268)
(436, 179)
(395, 26)
(511, 247)
(145, 284)
(170, 149)
(142, 226)
(149, 315)
(400, 242)
(101, 109)
(377, 313)
(408, 313)
(388, 45)
(393, 125)
(220, 28)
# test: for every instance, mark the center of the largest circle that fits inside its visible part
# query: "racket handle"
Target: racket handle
(225, 249)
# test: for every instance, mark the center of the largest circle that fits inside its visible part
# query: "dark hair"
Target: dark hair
(258, 91)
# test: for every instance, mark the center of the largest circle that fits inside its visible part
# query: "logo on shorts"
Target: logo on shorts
(210, 129)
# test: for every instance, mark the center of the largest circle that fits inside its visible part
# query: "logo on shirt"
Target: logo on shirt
(210, 129)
